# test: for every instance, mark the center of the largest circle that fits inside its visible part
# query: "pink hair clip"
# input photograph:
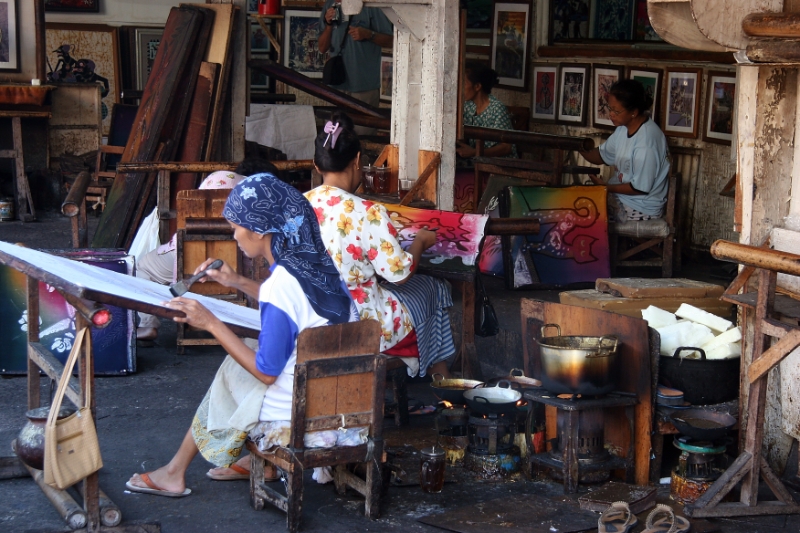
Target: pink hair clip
(333, 132)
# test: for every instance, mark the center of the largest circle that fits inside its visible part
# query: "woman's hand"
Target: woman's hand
(196, 314)
(426, 238)
(224, 276)
(464, 150)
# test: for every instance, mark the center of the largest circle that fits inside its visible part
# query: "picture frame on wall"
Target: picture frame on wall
(603, 76)
(147, 41)
(573, 94)
(9, 36)
(252, 6)
(544, 93)
(613, 20)
(720, 105)
(85, 53)
(259, 81)
(569, 20)
(510, 43)
(387, 77)
(300, 35)
(259, 42)
(682, 102)
(651, 79)
(72, 6)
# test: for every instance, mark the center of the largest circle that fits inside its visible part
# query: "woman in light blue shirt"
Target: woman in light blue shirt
(638, 150)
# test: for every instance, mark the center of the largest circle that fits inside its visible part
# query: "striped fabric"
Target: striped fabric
(427, 300)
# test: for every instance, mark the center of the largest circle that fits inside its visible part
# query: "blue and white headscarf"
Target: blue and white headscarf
(263, 204)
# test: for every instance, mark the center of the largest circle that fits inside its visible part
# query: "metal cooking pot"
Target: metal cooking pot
(517, 379)
(578, 365)
(452, 390)
(703, 381)
(498, 399)
(702, 424)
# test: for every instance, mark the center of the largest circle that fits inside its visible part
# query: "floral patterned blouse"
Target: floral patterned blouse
(362, 241)
(494, 116)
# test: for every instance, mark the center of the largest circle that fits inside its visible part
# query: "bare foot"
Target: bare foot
(163, 479)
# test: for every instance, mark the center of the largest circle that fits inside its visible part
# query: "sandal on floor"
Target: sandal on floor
(663, 520)
(618, 518)
(152, 488)
(241, 473)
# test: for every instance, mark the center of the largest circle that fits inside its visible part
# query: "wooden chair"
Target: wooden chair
(108, 155)
(338, 381)
(656, 238)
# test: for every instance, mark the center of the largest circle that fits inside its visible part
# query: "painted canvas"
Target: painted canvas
(301, 35)
(572, 246)
(643, 30)
(77, 6)
(9, 38)
(720, 108)
(259, 81)
(147, 41)
(613, 20)
(85, 53)
(510, 38)
(651, 80)
(572, 94)
(457, 239)
(114, 346)
(387, 77)
(544, 92)
(569, 20)
(259, 42)
(604, 77)
(682, 102)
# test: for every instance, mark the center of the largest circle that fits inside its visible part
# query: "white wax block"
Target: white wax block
(725, 351)
(658, 318)
(732, 335)
(683, 334)
(703, 317)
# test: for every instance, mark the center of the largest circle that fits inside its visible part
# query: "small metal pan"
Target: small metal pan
(702, 424)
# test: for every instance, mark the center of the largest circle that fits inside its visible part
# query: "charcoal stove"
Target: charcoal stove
(700, 464)
(451, 426)
(578, 453)
(491, 452)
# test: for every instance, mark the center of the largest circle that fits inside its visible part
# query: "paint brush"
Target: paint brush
(182, 287)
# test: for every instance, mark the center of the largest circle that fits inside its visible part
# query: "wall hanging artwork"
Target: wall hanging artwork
(9, 37)
(259, 81)
(85, 53)
(387, 77)
(604, 77)
(682, 102)
(613, 20)
(544, 92)
(77, 6)
(720, 107)
(259, 42)
(569, 20)
(511, 31)
(572, 245)
(651, 79)
(300, 37)
(573, 94)
(147, 41)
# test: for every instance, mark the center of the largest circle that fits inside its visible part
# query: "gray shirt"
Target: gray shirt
(362, 59)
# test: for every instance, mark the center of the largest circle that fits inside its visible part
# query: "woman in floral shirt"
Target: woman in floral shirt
(362, 241)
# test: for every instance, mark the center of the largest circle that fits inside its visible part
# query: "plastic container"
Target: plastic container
(380, 183)
(269, 7)
(6, 209)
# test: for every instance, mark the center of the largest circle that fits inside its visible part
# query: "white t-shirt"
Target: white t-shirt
(643, 161)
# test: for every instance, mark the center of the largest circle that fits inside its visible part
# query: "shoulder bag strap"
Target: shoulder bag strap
(344, 39)
(67, 374)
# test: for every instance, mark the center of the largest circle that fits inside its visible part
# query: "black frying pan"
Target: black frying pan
(702, 424)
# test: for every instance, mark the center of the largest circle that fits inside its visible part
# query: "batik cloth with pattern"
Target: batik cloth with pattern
(296, 241)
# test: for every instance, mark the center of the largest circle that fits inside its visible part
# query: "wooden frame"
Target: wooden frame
(301, 25)
(545, 92)
(612, 20)
(563, 10)
(511, 22)
(9, 36)
(573, 93)
(603, 77)
(147, 41)
(387, 77)
(72, 6)
(720, 105)
(96, 42)
(652, 80)
(682, 102)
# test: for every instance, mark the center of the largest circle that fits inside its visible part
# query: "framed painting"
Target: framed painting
(651, 79)
(613, 20)
(85, 53)
(147, 41)
(682, 102)
(642, 29)
(9, 36)
(573, 93)
(259, 81)
(252, 6)
(720, 107)
(387, 77)
(544, 92)
(510, 38)
(604, 77)
(75, 6)
(300, 36)
(259, 42)
(569, 20)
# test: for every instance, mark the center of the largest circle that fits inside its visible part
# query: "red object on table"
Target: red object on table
(269, 7)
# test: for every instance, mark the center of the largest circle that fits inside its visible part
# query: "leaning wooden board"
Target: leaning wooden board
(658, 288)
(633, 306)
(634, 360)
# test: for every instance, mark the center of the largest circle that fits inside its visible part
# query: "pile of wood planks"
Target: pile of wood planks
(180, 114)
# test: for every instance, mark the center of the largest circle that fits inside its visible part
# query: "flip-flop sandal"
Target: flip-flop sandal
(241, 473)
(663, 520)
(618, 518)
(152, 488)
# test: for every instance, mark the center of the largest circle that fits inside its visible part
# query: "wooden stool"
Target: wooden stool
(25, 210)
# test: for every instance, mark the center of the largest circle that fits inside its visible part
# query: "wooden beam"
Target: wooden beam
(423, 177)
(773, 355)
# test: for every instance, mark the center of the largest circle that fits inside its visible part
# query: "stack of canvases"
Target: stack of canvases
(179, 115)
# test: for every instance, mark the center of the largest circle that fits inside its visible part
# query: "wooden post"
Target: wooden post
(34, 383)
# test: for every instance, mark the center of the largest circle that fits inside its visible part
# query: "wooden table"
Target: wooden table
(24, 201)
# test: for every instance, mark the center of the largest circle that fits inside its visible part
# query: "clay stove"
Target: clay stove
(699, 465)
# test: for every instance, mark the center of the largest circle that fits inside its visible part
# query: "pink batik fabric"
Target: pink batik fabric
(362, 241)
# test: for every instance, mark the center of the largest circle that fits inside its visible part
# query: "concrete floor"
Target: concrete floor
(142, 418)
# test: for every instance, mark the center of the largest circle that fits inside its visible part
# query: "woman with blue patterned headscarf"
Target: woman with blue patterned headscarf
(254, 387)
